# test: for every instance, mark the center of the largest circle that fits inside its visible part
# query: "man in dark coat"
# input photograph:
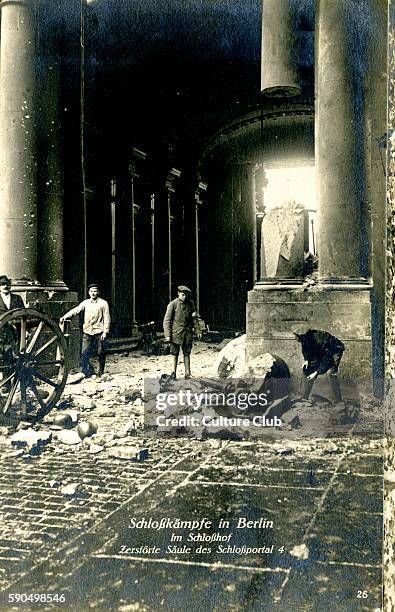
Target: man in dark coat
(9, 335)
(179, 325)
(322, 353)
(8, 300)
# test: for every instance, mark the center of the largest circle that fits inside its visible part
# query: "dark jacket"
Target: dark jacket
(319, 348)
(180, 322)
(16, 302)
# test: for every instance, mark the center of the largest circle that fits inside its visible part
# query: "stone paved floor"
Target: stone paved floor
(323, 496)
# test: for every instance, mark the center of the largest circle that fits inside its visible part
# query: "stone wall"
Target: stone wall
(272, 316)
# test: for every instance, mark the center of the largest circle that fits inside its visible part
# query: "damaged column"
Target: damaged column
(18, 171)
(338, 164)
(340, 302)
(51, 175)
(279, 74)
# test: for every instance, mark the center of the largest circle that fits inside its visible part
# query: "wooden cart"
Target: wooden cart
(33, 365)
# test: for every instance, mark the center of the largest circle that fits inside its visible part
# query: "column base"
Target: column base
(340, 283)
(56, 286)
(343, 310)
(279, 283)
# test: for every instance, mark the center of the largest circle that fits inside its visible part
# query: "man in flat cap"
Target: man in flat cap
(8, 300)
(179, 325)
(322, 353)
(95, 328)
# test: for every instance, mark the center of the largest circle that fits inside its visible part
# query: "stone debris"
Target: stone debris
(54, 484)
(73, 379)
(130, 395)
(70, 489)
(69, 437)
(132, 453)
(95, 448)
(284, 451)
(231, 360)
(29, 438)
(300, 551)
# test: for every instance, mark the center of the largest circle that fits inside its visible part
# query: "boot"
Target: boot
(175, 362)
(335, 386)
(187, 366)
(307, 387)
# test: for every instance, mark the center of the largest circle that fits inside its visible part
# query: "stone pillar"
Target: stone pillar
(153, 243)
(279, 71)
(338, 188)
(18, 172)
(202, 187)
(50, 257)
(134, 172)
(341, 302)
(170, 188)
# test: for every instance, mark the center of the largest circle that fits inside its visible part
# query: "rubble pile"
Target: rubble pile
(105, 416)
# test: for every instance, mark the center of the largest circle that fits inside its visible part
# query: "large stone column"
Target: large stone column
(339, 189)
(138, 157)
(171, 179)
(50, 257)
(279, 76)
(18, 172)
(201, 188)
(341, 302)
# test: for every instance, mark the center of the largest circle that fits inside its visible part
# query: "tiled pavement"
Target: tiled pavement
(326, 496)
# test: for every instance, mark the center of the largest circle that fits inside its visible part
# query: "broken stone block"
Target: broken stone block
(67, 436)
(131, 453)
(282, 250)
(73, 379)
(300, 551)
(95, 448)
(70, 489)
(231, 359)
(30, 438)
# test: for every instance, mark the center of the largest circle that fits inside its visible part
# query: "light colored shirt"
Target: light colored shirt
(6, 299)
(96, 316)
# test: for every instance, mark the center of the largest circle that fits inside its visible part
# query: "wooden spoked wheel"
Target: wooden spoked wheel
(33, 365)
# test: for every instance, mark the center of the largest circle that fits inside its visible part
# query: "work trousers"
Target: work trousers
(88, 344)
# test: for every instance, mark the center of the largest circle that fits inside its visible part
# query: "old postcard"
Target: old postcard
(196, 305)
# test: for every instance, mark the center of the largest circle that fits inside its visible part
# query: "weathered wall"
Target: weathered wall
(389, 489)
(272, 315)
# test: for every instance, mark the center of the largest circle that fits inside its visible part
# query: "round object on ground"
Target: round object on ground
(63, 420)
(86, 429)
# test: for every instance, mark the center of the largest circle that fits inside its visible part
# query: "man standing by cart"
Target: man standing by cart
(179, 325)
(95, 328)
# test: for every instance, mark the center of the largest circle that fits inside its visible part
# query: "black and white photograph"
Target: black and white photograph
(197, 305)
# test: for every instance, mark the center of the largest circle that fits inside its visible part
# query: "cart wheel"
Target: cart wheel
(33, 365)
